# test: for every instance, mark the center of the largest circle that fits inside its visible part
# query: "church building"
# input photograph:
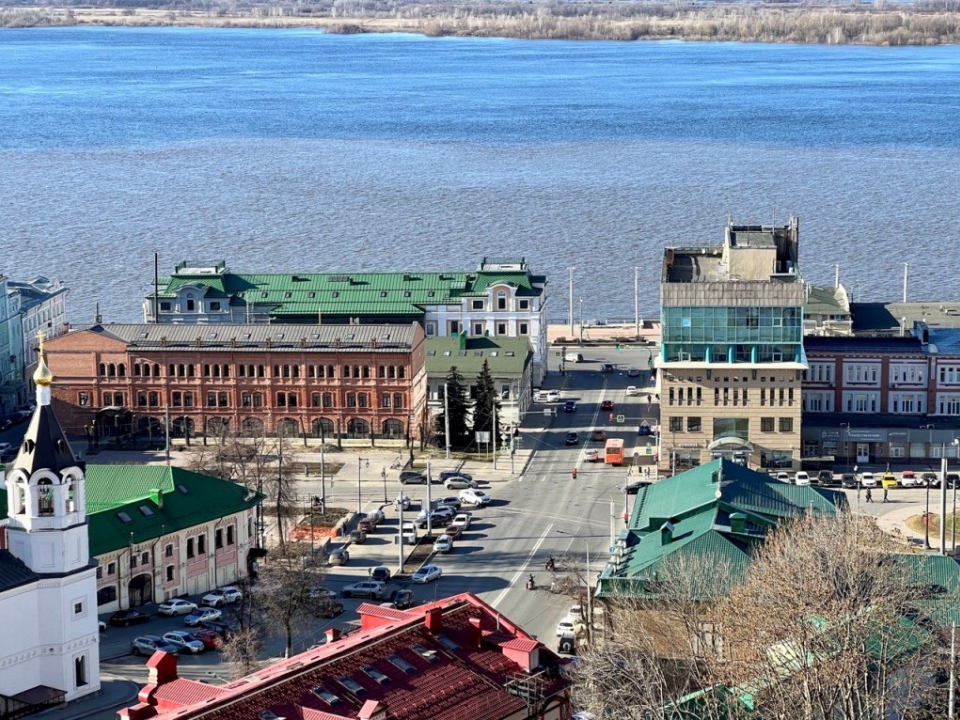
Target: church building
(49, 653)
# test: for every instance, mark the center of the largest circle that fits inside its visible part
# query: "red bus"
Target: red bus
(613, 452)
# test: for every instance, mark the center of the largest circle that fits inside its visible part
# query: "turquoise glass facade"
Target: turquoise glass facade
(732, 334)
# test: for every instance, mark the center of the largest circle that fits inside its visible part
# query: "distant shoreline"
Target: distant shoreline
(876, 25)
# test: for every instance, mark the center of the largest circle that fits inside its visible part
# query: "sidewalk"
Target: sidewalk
(115, 693)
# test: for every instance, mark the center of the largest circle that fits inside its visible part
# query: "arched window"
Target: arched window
(136, 370)
(288, 428)
(323, 428)
(111, 370)
(45, 497)
(21, 500)
(358, 428)
(502, 300)
(122, 369)
(71, 499)
(217, 426)
(103, 369)
(80, 671)
(392, 428)
(156, 371)
(252, 427)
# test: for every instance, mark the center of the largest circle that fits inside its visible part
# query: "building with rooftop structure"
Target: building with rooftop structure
(13, 386)
(898, 318)
(501, 298)
(452, 659)
(510, 361)
(826, 311)
(732, 353)
(43, 308)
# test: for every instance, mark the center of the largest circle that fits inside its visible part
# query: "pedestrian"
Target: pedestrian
(869, 496)
(885, 495)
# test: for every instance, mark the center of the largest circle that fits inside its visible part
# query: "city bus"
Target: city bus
(613, 452)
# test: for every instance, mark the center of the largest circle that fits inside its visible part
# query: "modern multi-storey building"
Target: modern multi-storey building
(43, 308)
(502, 298)
(732, 354)
(13, 386)
(365, 382)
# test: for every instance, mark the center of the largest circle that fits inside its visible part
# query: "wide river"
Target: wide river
(289, 150)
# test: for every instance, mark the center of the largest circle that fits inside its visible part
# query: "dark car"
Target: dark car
(848, 480)
(825, 478)
(635, 487)
(447, 474)
(572, 438)
(953, 480)
(644, 430)
(402, 599)
(606, 405)
(413, 477)
(598, 436)
(931, 479)
(328, 607)
(126, 618)
(380, 573)
(570, 406)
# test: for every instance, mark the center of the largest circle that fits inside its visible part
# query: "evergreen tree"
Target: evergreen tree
(486, 398)
(458, 403)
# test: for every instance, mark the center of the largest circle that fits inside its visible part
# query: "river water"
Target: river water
(292, 150)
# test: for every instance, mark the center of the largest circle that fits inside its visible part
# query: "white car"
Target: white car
(802, 478)
(471, 496)
(462, 520)
(553, 395)
(409, 532)
(427, 574)
(202, 615)
(632, 390)
(868, 479)
(183, 640)
(222, 596)
(537, 395)
(910, 479)
(443, 544)
(783, 477)
(566, 626)
(176, 607)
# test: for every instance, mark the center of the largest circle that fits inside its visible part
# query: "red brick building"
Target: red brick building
(342, 381)
(455, 659)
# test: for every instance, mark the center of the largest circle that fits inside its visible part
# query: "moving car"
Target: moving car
(566, 626)
(868, 479)
(437, 518)
(413, 477)
(572, 438)
(633, 372)
(644, 430)
(176, 607)
(328, 607)
(553, 396)
(381, 573)
(598, 436)
(474, 497)
(338, 556)
(632, 390)
(607, 368)
(458, 482)
(606, 405)
(427, 573)
(462, 520)
(126, 618)
(182, 640)
(222, 596)
(202, 615)
(443, 544)
(368, 588)
(149, 644)
(358, 536)
(444, 474)
(450, 501)
(635, 487)
(402, 599)
(570, 406)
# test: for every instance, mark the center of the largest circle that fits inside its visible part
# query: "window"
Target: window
(141, 399)
(386, 400)
(281, 399)
(218, 538)
(78, 608)
(168, 550)
(83, 399)
(188, 399)
(502, 300)
(201, 544)
(351, 400)
(398, 401)
(80, 671)
(111, 568)
(258, 400)
(230, 535)
(524, 304)
(676, 424)
(177, 399)
(133, 561)
(478, 329)
(693, 424)
(211, 399)
(45, 497)
(169, 573)
(154, 399)
(476, 304)
(328, 400)
(786, 424)
(214, 306)
(501, 328)
(145, 558)
(190, 552)
(523, 329)
(766, 424)
(362, 399)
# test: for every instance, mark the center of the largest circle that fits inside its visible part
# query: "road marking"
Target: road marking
(523, 568)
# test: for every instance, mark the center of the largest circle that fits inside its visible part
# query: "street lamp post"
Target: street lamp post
(359, 500)
(586, 547)
(383, 475)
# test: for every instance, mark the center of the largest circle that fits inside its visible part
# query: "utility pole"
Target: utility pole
(570, 270)
(429, 503)
(493, 434)
(836, 276)
(581, 319)
(446, 419)
(166, 430)
(400, 503)
(636, 299)
(905, 268)
(943, 505)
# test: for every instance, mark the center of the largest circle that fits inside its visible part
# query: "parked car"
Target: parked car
(462, 520)
(570, 406)
(598, 436)
(454, 531)
(553, 396)
(222, 596)
(474, 497)
(888, 481)
(368, 589)
(402, 599)
(149, 644)
(443, 544)
(211, 639)
(566, 626)
(126, 618)
(783, 477)
(825, 478)
(450, 501)
(848, 480)
(328, 608)
(633, 372)
(802, 478)
(953, 480)
(444, 474)
(176, 607)
(338, 556)
(458, 482)
(358, 536)
(635, 487)
(930, 479)
(202, 615)
(381, 573)
(409, 532)
(606, 405)
(868, 479)
(572, 438)
(413, 477)
(184, 641)
(427, 573)
(908, 478)
(367, 525)
(437, 518)
(217, 626)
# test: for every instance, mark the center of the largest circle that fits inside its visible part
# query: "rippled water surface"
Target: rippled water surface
(293, 150)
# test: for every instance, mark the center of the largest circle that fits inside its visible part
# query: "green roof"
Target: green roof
(187, 499)
(824, 301)
(506, 357)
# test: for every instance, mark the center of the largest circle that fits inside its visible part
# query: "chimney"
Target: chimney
(738, 523)
(372, 710)
(666, 533)
(156, 494)
(434, 620)
(162, 667)
(332, 635)
(475, 633)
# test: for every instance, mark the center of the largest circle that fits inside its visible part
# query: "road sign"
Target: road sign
(482, 436)
(621, 418)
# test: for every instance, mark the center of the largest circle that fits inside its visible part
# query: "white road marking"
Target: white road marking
(523, 568)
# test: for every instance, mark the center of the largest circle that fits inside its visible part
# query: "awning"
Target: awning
(730, 443)
(39, 695)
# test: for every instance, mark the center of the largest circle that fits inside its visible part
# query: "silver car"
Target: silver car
(182, 640)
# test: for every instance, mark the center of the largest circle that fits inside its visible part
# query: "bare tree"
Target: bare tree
(242, 647)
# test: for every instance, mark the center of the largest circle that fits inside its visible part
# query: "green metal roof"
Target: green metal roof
(506, 357)
(823, 301)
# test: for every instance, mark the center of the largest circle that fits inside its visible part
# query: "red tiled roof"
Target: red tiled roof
(383, 612)
(521, 644)
(456, 680)
(180, 692)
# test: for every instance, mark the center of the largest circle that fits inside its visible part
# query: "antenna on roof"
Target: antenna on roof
(97, 318)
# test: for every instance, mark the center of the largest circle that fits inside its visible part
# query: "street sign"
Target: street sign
(482, 436)
(547, 412)
(621, 418)
(636, 456)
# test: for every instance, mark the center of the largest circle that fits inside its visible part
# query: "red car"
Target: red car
(211, 640)
(606, 405)
(454, 531)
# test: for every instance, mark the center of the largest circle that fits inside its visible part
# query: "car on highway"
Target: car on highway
(462, 520)
(553, 396)
(184, 641)
(176, 607)
(222, 596)
(459, 482)
(443, 544)
(868, 479)
(338, 556)
(633, 372)
(801, 478)
(126, 618)
(454, 531)
(598, 436)
(149, 644)
(450, 501)
(570, 406)
(474, 497)
(606, 405)
(381, 573)
(635, 487)
(367, 588)
(202, 615)
(427, 573)
(572, 438)
(413, 477)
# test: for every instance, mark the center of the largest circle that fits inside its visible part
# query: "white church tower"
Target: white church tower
(56, 640)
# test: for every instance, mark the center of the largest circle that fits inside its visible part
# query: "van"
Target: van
(573, 357)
